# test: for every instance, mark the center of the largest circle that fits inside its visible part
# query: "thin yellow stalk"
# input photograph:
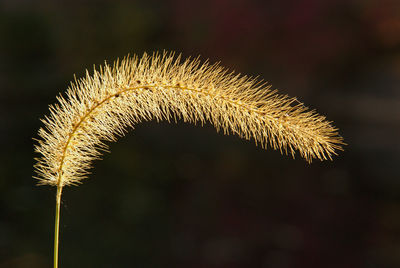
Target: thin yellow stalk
(57, 226)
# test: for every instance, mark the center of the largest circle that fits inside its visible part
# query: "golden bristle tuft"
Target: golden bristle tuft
(103, 105)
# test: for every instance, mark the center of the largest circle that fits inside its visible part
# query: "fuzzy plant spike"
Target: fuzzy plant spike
(102, 106)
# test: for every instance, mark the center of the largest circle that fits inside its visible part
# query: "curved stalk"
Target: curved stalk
(101, 106)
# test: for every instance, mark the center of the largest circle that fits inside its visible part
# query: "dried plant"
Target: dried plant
(101, 106)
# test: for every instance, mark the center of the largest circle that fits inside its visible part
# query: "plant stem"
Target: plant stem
(57, 225)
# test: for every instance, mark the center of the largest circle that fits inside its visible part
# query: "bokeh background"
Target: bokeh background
(185, 196)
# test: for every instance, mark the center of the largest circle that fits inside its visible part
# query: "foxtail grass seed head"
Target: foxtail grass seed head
(102, 106)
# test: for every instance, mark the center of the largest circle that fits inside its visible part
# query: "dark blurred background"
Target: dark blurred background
(185, 196)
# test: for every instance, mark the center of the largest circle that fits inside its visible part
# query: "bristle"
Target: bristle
(103, 105)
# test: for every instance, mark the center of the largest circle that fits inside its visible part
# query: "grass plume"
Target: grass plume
(100, 107)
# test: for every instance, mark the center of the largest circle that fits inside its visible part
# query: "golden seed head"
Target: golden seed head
(103, 105)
